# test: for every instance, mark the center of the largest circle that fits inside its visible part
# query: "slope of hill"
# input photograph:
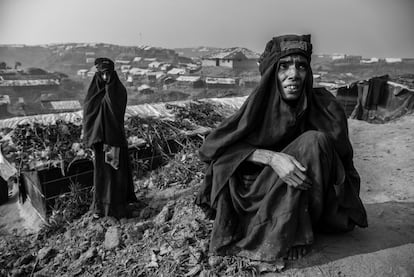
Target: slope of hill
(32, 56)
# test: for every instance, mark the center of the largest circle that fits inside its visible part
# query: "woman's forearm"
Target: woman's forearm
(261, 156)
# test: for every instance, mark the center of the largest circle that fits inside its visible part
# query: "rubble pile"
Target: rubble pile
(166, 238)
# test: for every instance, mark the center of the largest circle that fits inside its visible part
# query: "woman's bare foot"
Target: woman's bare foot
(297, 252)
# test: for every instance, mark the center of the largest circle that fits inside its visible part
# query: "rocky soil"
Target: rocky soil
(169, 235)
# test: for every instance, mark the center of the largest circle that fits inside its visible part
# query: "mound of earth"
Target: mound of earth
(169, 235)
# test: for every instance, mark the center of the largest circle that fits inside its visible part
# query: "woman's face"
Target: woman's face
(291, 75)
(106, 75)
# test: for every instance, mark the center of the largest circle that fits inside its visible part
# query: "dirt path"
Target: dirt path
(384, 157)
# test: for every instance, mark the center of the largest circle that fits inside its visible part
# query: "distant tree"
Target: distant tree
(17, 65)
(3, 65)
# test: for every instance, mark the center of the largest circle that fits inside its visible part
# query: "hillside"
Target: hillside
(30, 56)
(168, 235)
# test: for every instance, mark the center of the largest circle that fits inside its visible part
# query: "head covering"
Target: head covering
(279, 120)
(104, 108)
(282, 46)
(104, 64)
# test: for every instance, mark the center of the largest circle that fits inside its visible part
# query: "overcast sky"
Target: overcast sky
(371, 28)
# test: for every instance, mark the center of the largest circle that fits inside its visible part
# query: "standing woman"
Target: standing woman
(103, 128)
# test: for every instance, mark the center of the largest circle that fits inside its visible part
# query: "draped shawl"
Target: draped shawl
(266, 121)
(104, 110)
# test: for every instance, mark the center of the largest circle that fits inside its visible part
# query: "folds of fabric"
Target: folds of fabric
(263, 219)
(376, 92)
(104, 110)
(265, 121)
(4, 191)
(114, 189)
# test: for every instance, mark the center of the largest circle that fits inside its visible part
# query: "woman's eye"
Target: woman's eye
(303, 66)
(284, 66)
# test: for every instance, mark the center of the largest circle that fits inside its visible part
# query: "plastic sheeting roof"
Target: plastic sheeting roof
(225, 106)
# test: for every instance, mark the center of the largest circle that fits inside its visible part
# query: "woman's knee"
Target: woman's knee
(314, 138)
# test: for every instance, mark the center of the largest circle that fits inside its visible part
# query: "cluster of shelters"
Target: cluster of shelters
(31, 91)
(356, 59)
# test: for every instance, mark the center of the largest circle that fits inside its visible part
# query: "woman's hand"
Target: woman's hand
(289, 170)
(286, 166)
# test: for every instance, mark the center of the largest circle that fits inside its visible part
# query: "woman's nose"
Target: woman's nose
(293, 72)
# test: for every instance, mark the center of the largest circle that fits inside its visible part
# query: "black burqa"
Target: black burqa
(262, 218)
(103, 124)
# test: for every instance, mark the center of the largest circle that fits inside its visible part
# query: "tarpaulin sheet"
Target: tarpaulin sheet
(225, 106)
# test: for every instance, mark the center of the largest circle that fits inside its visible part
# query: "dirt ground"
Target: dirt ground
(384, 157)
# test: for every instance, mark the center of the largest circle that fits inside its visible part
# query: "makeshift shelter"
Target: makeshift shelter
(216, 82)
(193, 81)
(376, 100)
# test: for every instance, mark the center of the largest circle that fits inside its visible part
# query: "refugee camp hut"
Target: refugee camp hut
(60, 106)
(154, 65)
(218, 82)
(136, 62)
(125, 68)
(192, 68)
(82, 73)
(145, 89)
(347, 96)
(190, 81)
(176, 71)
(121, 62)
(235, 58)
(166, 67)
(145, 62)
(154, 77)
(168, 80)
(249, 81)
(379, 100)
(136, 71)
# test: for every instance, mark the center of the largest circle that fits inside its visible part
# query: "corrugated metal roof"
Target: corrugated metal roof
(65, 105)
(234, 53)
(157, 74)
(188, 78)
(138, 71)
(214, 80)
(176, 71)
(154, 64)
(28, 83)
